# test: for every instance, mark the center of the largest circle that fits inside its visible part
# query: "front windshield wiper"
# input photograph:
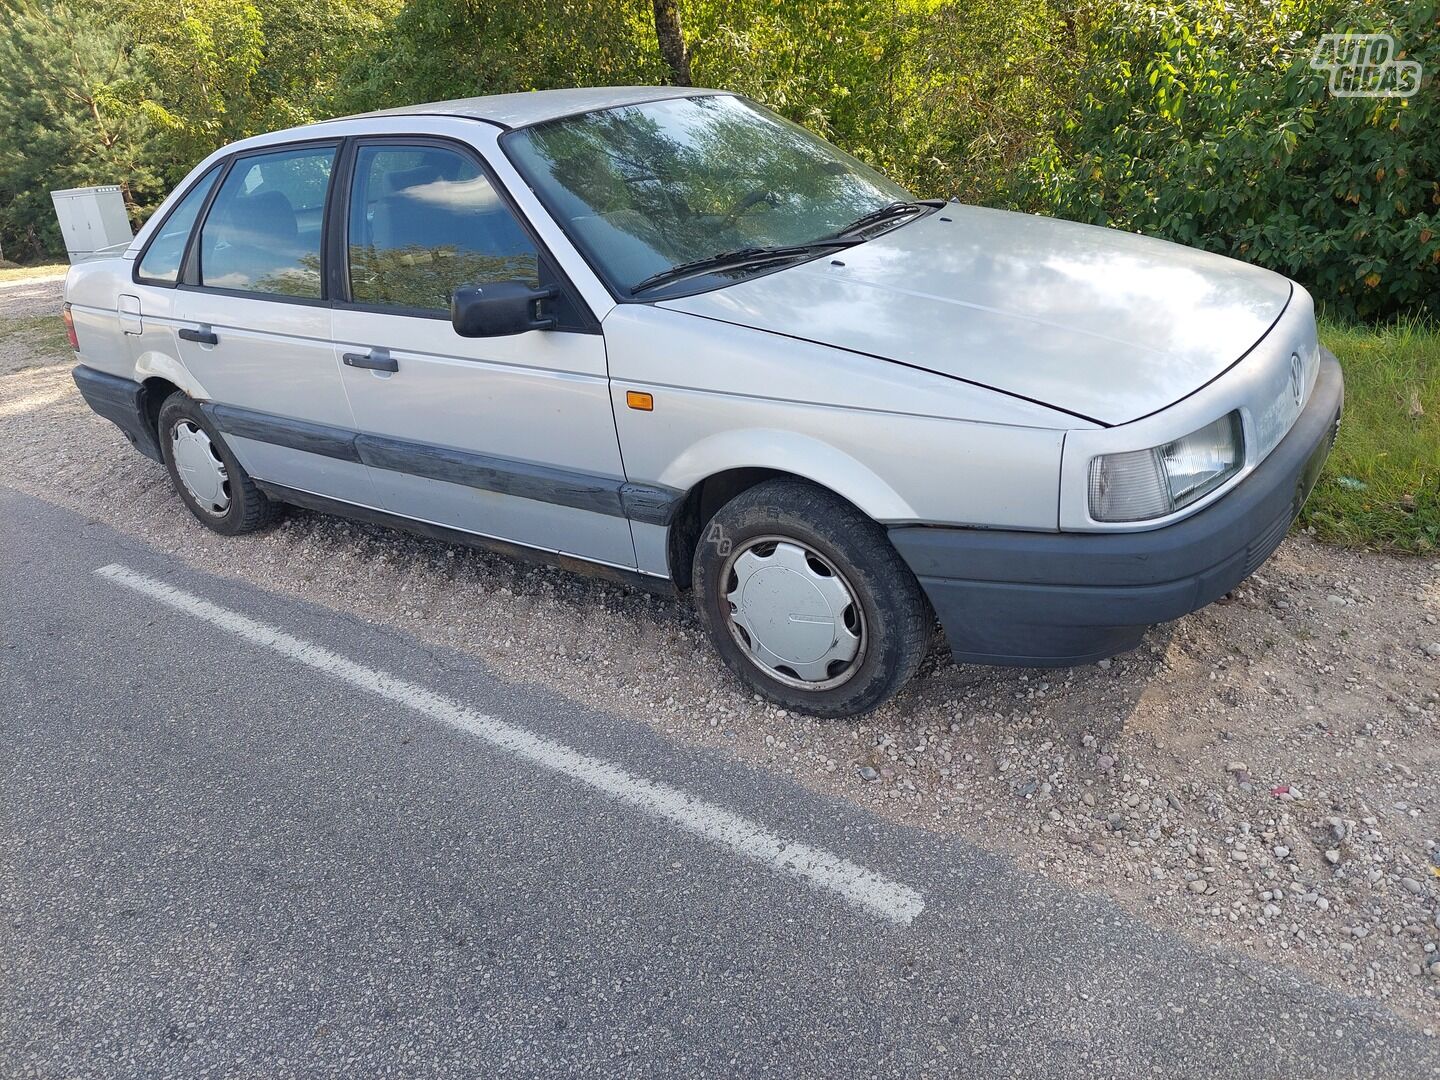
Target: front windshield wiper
(740, 257)
(885, 213)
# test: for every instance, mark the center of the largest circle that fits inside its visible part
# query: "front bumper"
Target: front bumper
(1053, 599)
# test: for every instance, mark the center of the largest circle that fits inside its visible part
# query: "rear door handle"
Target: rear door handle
(204, 337)
(375, 360)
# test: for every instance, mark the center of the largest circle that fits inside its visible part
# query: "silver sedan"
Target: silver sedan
(665, 335)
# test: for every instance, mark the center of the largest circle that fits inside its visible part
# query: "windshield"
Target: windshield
(643, 188)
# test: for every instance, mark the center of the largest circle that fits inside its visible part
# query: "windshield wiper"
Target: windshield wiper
(737, 259)
(885, 213)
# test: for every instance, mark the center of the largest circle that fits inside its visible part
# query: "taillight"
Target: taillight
(70, 328)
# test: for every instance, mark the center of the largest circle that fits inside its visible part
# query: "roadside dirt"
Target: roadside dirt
(1262, 774)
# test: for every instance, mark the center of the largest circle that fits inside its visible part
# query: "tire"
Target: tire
(792, 554)
(233, 507)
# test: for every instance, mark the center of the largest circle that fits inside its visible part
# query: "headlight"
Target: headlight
(1151, 483)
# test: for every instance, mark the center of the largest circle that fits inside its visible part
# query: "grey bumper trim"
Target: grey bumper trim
(1020, 598)
(122, 402)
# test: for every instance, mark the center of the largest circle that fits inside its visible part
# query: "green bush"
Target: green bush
(1196, 120)
(947, 98)
(1202, 121)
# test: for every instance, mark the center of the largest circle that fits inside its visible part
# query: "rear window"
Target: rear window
(161, 264)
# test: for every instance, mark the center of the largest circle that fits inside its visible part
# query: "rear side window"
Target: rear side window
(262, 233)
(424, 220)
(161, 264)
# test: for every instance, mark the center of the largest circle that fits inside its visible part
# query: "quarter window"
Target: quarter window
(161, 263)
(424, 220)
(263, 231)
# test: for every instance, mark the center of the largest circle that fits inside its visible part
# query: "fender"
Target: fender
(792, 452)
(153, 364)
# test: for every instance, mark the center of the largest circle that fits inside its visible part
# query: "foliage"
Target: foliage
(439, 49)
(1201, 121)
(1381, 487)
(69, 118)
(219, 70)
(137, 91)
(948, 98)
(1197, 120)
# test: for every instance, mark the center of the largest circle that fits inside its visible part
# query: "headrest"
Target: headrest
(258, 220)
(268, 214)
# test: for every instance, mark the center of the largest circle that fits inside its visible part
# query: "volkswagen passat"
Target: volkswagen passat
(667, 335)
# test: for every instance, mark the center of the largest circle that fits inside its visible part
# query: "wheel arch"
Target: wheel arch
(761, 456)
(154, 393)
(152, 365)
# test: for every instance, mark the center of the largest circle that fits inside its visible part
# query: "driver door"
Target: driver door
(508, 437)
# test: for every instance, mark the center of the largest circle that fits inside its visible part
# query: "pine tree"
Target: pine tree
(72, 120)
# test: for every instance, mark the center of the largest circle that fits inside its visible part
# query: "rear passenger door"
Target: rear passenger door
(509, 437)
(254, 323)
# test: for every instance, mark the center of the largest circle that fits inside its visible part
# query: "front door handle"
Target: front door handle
(204, 337)
(375, 360)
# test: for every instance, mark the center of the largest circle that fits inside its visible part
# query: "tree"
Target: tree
(221, 70)
(71, 84)
(672, 41)
(437, 49)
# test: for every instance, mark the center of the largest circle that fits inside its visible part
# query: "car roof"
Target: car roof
(536, 106)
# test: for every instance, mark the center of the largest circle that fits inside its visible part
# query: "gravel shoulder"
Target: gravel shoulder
(1261, 775)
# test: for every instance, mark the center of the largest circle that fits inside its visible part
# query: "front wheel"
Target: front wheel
(807, 601)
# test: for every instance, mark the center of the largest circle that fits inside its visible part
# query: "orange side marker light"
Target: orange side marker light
(638, 399)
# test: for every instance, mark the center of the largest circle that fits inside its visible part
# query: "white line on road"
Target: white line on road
(864, 888)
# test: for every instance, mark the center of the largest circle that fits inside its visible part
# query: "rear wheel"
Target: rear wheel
(807, 601)
(205, 473)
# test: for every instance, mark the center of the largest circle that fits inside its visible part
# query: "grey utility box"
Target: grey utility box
(92, 219)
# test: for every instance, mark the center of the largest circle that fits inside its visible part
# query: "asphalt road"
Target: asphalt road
(340, 852)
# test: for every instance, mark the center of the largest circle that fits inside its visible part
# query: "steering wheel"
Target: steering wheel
(746, 203)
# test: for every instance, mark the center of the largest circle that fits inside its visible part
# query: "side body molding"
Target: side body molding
(565, 487)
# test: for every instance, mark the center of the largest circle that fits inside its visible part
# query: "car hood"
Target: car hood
(1110, 326)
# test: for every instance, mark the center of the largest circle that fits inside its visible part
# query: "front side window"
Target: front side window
(424, 220)
(642, 188)
(263, 231)
(161, 264)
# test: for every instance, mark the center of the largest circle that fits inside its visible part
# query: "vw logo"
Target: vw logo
(1297, 377)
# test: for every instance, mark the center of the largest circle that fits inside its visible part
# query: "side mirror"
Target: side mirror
(499, 309)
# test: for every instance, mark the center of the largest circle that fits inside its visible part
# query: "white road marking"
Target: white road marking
(872, 892)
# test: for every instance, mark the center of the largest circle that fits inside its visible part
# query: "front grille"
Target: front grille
(1264, 545)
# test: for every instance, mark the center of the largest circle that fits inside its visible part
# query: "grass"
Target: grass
(1381, 487)
(43, 332)
(20, 273)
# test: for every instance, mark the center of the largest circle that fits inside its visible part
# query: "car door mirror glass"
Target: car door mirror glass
(499, 309)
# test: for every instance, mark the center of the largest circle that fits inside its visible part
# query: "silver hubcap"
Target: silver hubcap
(793, 613)
(200, 468)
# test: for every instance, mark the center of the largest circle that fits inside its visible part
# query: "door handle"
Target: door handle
(375, 360)
(204, 337)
